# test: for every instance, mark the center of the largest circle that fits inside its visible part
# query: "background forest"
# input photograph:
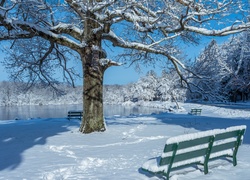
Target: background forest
(220, 73)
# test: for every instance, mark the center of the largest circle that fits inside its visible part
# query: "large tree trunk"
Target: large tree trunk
(93, 119)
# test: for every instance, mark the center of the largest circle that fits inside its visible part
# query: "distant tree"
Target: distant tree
(171, 88)
(223, 70)
(147, 86)
(114, 94)
(238, 58)
(207, 67)
(151, 29)
(5, 93)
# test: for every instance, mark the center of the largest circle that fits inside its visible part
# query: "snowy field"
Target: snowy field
(53, 149)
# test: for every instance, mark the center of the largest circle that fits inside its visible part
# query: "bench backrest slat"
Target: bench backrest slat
(183, 157)
(222, 147)
(187, 144)
(75, 113)
(227, 135)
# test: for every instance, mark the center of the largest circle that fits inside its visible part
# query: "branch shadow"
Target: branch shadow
(203, 123)
(16, 137)
(200, 123)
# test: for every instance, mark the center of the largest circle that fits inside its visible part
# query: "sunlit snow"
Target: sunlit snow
(51, 149)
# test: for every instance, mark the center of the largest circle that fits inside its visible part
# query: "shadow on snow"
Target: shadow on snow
(201, 123)
(16, 137)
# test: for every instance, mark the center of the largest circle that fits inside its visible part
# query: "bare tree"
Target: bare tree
(149, 28)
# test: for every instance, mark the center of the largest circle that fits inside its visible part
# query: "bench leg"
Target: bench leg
(237, 147)
(166, 175)
(209, 149)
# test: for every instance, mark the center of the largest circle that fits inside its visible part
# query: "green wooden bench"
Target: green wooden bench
(195, 111)
(75, 114)
(196, 148)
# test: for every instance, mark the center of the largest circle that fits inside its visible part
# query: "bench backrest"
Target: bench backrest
(196, 111)
(201, 146)
(75, 113)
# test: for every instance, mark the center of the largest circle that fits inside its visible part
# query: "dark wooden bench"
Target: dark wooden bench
(75, 115)
(196, 148)
(195, 111)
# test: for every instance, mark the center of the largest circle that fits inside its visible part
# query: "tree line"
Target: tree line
(219, 73)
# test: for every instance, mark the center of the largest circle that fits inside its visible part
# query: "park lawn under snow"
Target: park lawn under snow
(54, 149)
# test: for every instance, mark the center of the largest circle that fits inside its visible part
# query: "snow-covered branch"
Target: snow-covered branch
(79, 7)
(222, 32)
(26, 29)
(151, 48)
(71, 29)
(106, 63)
(102, 5)
(118, 41)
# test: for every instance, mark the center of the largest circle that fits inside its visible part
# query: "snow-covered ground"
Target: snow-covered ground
(51, 149)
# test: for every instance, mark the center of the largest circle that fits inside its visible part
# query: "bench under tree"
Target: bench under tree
(75, 115)
(195, 111)
(196, 148)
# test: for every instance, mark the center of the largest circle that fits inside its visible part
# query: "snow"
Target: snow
(192, 136)
(51, 149)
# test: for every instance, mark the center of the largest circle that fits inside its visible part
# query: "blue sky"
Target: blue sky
(3, 73)
(113, 75)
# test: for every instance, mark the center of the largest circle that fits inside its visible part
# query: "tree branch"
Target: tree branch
(68, 29)
(29, 29)
(223, 32)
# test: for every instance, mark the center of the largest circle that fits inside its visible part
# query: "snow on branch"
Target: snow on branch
(165, 39)
(79, 7)
(223, 32)
(30, 29)
(143, 8)
(102, 5)
(118, 41)
(106, 63)
(8, 36)
(68, 29)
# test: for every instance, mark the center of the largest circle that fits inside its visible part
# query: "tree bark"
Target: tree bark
(93, 119)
